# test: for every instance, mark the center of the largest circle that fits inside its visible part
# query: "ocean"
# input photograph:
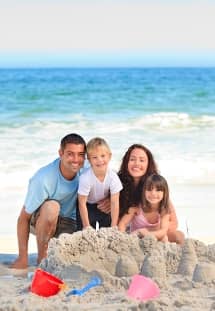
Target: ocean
(169, 110)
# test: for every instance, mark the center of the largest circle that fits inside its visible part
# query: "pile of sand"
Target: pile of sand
(186, 276)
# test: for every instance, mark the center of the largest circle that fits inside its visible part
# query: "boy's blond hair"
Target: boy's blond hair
(95, 143)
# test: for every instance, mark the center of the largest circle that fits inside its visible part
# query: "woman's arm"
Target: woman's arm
(126, 219)
(104, 205)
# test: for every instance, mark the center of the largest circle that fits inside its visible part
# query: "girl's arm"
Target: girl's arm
(82, 204)
(158, 233)
(173, 222)
(114, 202)
(126, 219)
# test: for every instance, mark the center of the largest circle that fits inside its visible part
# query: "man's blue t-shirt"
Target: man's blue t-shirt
(49, 184)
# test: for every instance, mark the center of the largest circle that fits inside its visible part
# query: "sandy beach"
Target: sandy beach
(185, 275)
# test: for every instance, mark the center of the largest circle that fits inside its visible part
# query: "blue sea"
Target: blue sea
(170, 110)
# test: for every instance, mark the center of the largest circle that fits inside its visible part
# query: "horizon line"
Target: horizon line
(108, 67)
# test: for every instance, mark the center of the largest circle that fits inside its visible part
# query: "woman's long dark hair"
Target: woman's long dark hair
(131, 193)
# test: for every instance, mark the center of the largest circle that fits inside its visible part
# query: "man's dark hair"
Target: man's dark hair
(72, 139)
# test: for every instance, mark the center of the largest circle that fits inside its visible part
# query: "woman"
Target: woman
(137, 164)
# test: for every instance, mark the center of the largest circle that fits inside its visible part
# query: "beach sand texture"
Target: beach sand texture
(185, 276)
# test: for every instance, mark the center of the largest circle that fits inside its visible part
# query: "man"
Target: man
(51, 200)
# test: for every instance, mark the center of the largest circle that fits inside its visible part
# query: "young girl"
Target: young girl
(96, 183)
(152, 215)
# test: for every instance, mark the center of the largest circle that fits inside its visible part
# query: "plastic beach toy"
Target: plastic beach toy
(45, 284)
(143, 288)
(95, 281)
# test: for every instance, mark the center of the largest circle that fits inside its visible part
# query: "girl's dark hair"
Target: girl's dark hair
(131, 193)
(72, 139)
(159, 183)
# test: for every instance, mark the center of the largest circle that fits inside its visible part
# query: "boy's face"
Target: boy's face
(99, 159)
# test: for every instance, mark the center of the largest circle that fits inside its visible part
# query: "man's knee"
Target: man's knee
(46, 217)
(49, 211)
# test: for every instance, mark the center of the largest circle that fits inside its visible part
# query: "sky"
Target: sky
(107, 33)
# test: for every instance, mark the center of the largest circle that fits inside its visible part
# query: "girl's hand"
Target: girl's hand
(144, 231)
(135, 232)
(141, 232)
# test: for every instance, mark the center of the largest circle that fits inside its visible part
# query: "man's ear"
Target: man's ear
(60, 152)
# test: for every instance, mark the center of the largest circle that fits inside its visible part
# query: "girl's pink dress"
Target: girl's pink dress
(139, 222)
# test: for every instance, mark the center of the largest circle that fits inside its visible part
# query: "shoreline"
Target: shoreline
(9, 244)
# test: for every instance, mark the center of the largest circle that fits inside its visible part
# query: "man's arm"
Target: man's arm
(23, 229)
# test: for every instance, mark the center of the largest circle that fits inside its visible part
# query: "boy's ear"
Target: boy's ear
(110, 154)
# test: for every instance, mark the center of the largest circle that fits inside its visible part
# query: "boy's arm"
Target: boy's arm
(114, 201)
(82, 204)
(126, 219)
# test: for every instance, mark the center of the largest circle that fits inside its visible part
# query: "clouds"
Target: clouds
(107, 25)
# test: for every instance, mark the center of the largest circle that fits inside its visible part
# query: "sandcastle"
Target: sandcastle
(115, 254)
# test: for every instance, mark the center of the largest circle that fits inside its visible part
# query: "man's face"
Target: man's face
(72, 159)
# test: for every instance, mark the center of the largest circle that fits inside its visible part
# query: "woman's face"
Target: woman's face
(137, 163)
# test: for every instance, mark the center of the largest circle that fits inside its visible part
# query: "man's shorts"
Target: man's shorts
(64, 224)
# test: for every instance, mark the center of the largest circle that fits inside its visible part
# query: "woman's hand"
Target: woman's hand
(104, 205)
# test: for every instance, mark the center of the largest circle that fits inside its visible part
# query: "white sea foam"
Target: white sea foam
(183, 147)
(182, 151)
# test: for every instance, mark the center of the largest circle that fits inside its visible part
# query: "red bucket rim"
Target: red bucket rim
(45, 284)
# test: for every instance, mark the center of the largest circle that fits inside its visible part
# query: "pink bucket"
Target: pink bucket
(143, 288)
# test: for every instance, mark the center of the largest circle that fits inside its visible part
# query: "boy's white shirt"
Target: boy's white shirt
(94, 189)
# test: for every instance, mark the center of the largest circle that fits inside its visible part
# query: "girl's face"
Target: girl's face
(154, 196)
(137, 164)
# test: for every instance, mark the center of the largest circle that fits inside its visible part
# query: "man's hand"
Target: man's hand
(104, 206)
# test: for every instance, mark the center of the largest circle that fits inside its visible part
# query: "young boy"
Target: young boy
(95, 184)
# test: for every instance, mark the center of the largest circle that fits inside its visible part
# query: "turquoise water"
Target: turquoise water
(26, 94)
(170, 110)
